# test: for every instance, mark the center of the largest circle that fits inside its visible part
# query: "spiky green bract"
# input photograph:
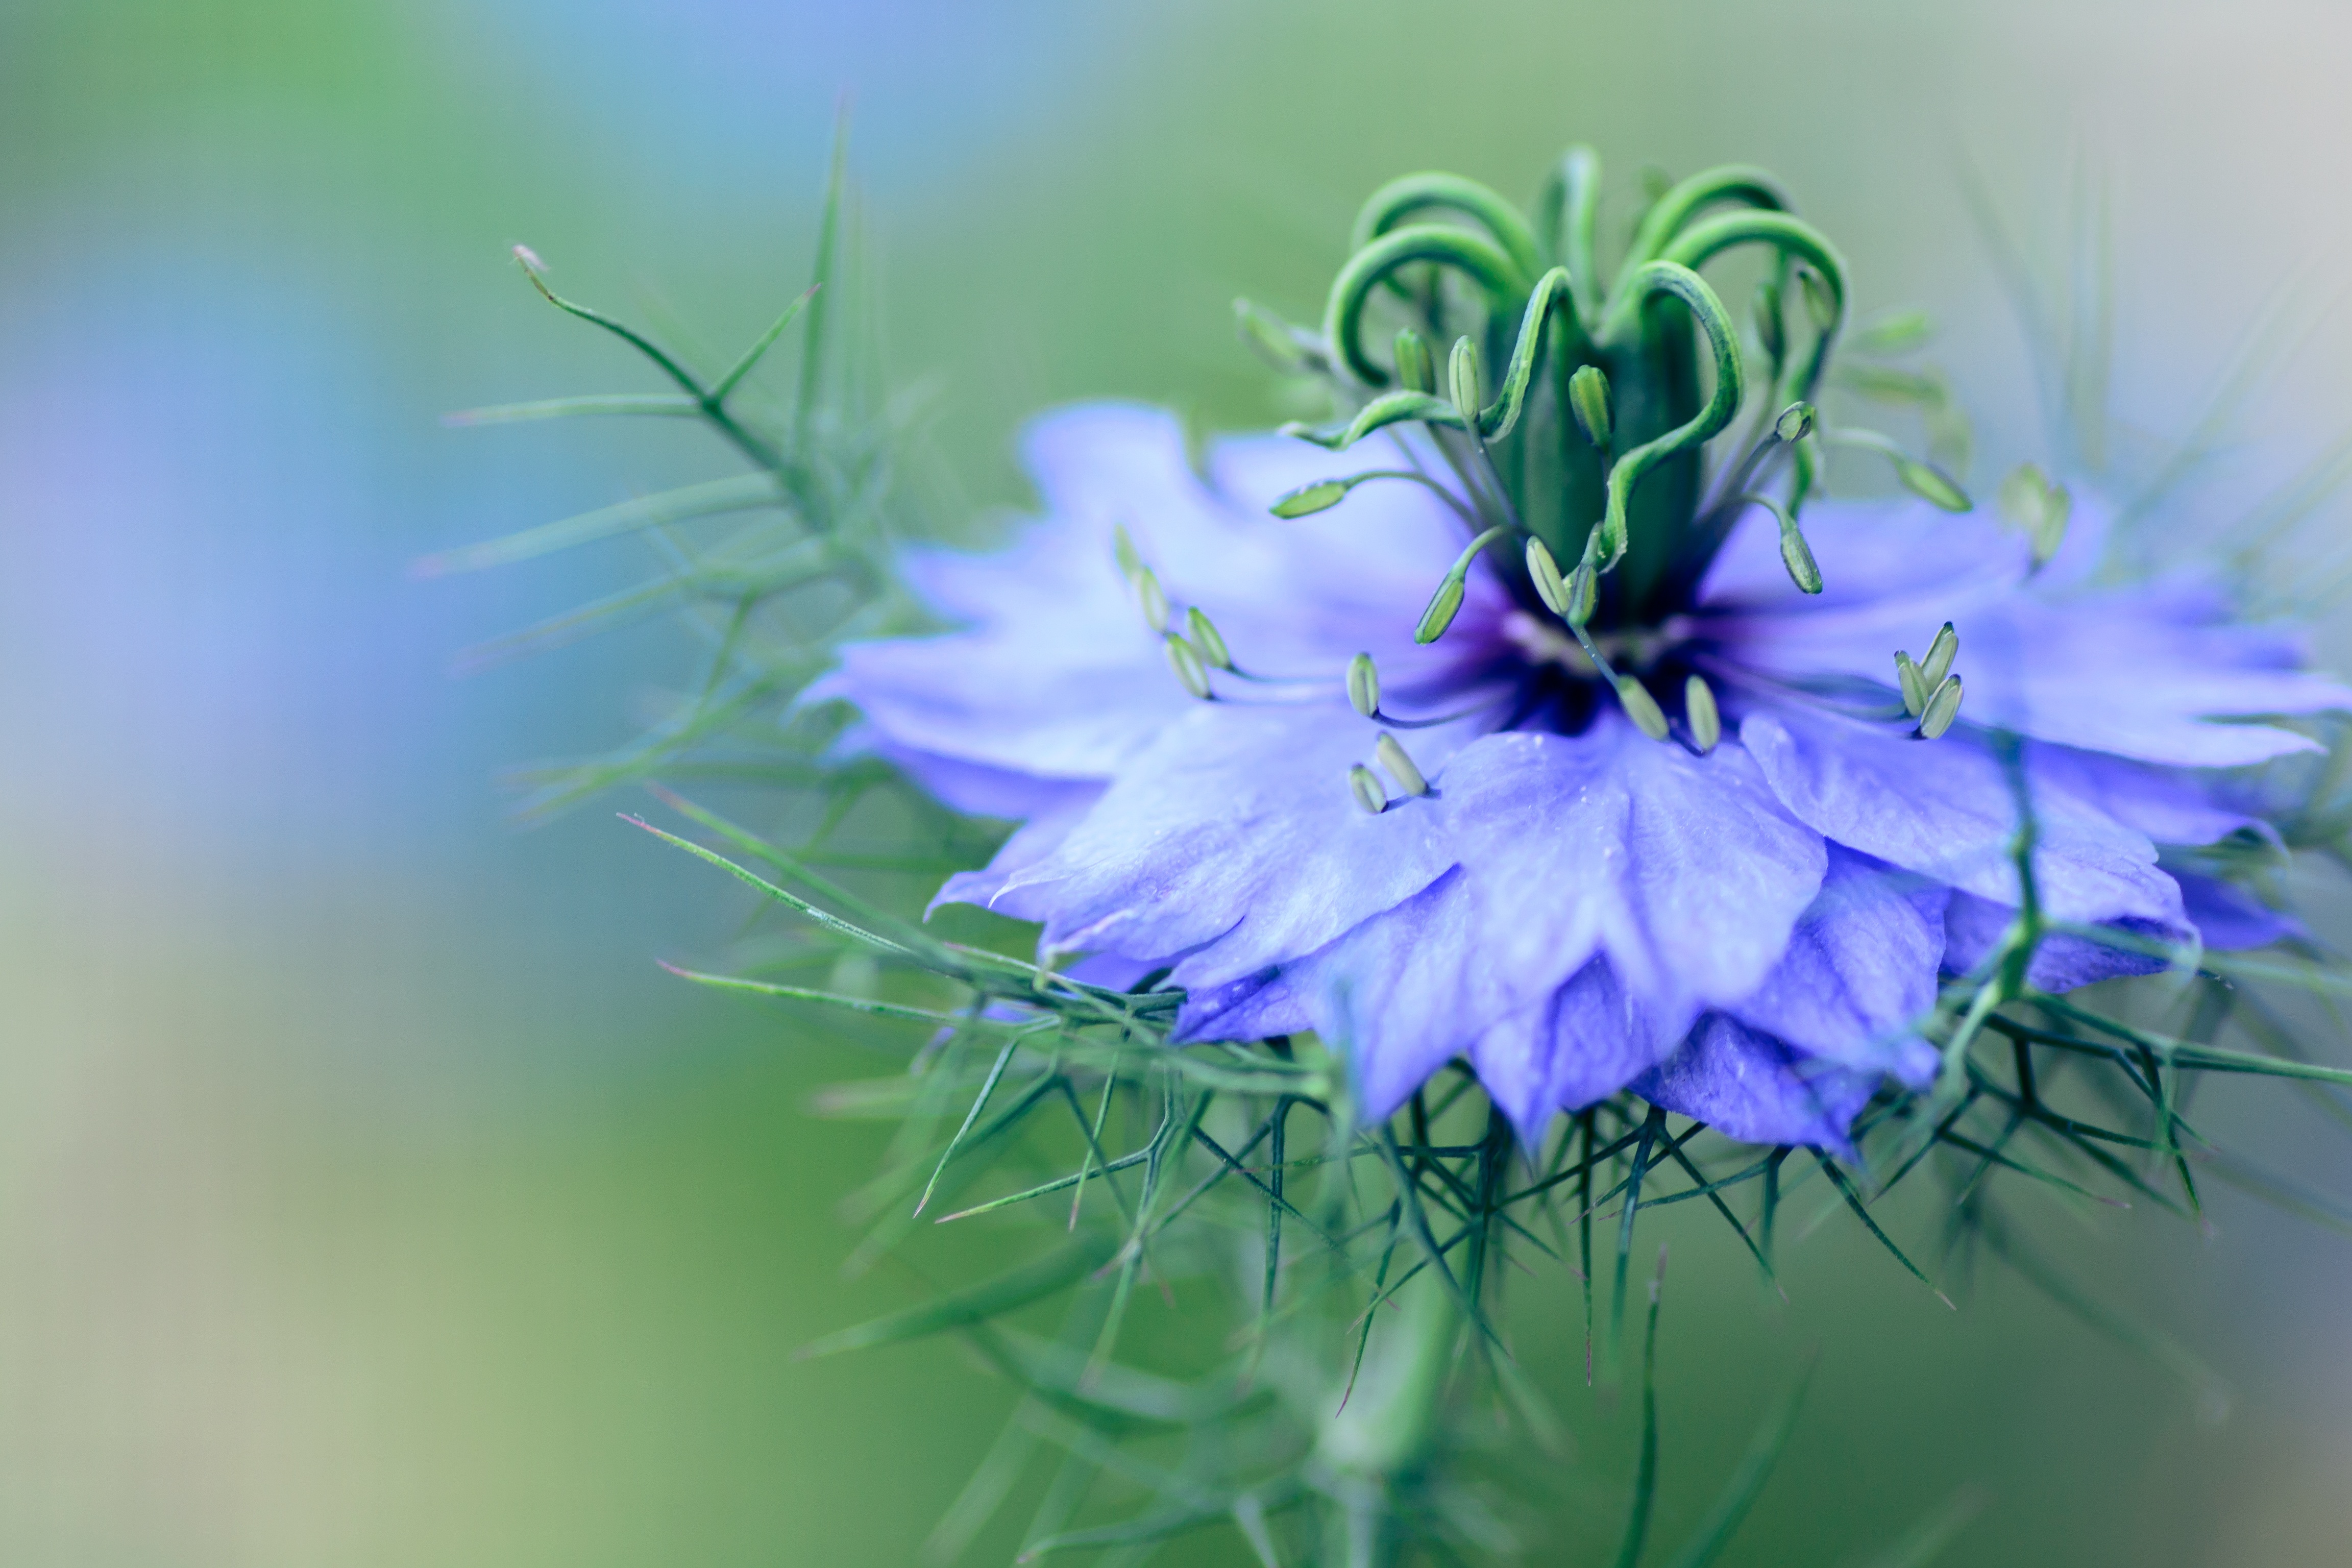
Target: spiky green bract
(1370, 1304)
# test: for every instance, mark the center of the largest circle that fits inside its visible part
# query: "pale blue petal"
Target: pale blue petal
(1752, 1087)
(1860, 973)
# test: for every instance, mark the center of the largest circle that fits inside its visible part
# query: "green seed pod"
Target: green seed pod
(1940, 654)
(1367, 789)
(1588, 396)
(1942, 709)
(1416, 371)
(1699, 711)
(1203, 637)
(1186, 663)
(1932, 485)
(1400, 766)
(1442, 607)
(1914, 690)
(1465, 378)
(1149, 594)
(1642, 708)
(1798, 557)
(1771, 330)
(1796, 423)
(1364, 685)
(1545, 573)
(1308, 499)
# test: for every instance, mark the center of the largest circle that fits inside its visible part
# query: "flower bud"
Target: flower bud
(1545, 573)
(1942, 709)
(1771, 330)
(1400, 766)
(1364, 685)
(1798, 557)
(1416, 371)
(1186, 663)
(1932, 485)
(1154, 600)
(1587, 398)
(1204, 639)
(1442, 607)
(1642, 708)
(1465, 379)
(1367, 789)
(1699, 711)
(1796, 423)
(1940, 654)
(1915, 689)
(1308, 499)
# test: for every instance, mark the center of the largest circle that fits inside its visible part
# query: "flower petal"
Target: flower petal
(1859, 970)
(1749, 1085)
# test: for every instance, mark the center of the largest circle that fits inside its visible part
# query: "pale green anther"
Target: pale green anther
(1821, 304)
(1942, 709)
(1416, 371)
(1148, 594)
(1206, 641)
(2039, 506)
(1186, 662)
(1123, 546)
(1698, 707)
(1915, 689)
(1770, 331)
(1798, 557)
(1367, 789)
(1364, 685)
(1796, 423)
(1308, 499)
(1465, 378)
(1584, 594)
(1588, 395)
(1269, 337)
(1545, 573)
(1442, 607)
(1400, 766)
(1940, 654)
(1893, 334)
(1932, 485)
(1642, 708)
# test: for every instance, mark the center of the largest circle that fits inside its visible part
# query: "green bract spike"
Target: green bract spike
(1149, 594)
(1942, 709)
(1308, 499)
(1364, 685)
(1698, 707)
(1545, 573)
(1401, 767)
(1203, 637)
(1465, 379)
(1588, 396)
(1940, 654)
(1642, 708)
(1367, 789)
(1914, 690)
(1186, 663)
(1415, 370)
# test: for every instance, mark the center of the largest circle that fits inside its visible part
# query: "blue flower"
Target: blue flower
(1747, 935)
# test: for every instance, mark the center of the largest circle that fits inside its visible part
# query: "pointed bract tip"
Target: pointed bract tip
(529, 259)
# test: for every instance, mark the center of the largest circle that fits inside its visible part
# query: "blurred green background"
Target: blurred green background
(366, 1195)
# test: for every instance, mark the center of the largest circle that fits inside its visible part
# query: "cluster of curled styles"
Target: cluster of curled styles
(1591, 449)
